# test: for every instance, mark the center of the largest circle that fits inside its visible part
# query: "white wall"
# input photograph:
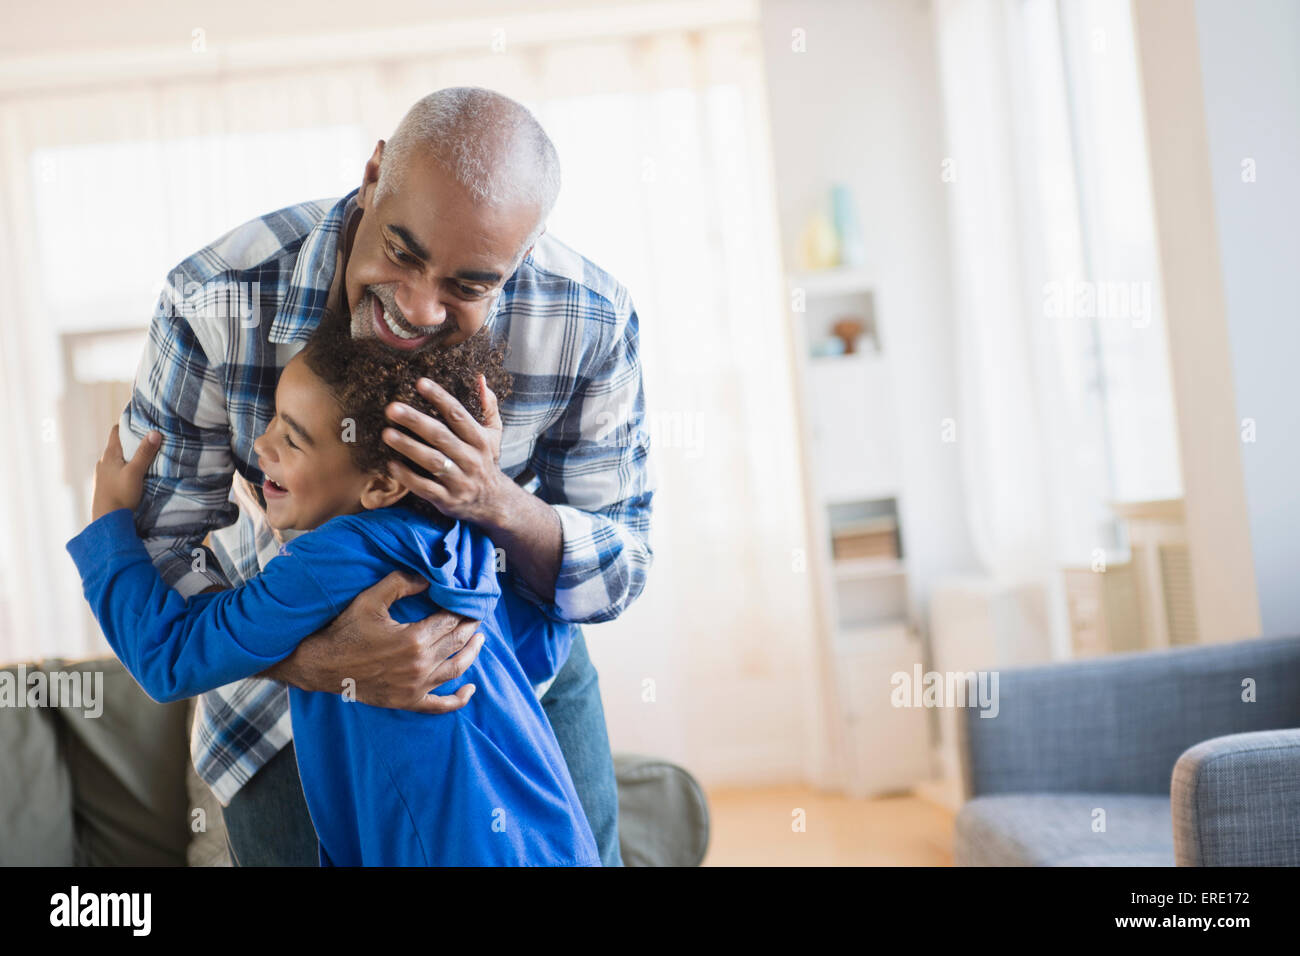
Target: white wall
(861, 106)
(90, 26)
(1250, 69)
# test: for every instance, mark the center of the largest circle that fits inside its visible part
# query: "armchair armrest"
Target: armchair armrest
(1236, 801)
(1119, 724)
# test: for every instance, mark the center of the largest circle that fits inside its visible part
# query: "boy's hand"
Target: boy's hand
(120, 483)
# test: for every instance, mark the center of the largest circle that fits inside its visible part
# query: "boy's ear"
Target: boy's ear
(382, 490)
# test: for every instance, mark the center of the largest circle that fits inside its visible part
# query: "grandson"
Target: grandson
(482, 785)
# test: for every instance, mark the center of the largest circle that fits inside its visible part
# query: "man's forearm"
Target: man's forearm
(528, 530)
(295, 670)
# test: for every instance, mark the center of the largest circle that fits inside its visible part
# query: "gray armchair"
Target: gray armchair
(1149, 759)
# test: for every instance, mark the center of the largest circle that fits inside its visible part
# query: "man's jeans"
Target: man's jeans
(267, 822)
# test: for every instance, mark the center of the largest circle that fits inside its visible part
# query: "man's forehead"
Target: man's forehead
(433, 215)
(473, 240)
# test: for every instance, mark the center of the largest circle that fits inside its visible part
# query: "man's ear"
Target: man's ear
(370, 176)
(382, 490)
(524, 255)
(529, 251)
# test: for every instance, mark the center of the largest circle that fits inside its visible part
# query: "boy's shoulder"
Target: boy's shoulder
(366, 529)
(458, 560)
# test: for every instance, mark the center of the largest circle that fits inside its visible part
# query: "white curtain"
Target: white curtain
(1068, 406)
(663, 143)
(1001, 432)
(1066, 409)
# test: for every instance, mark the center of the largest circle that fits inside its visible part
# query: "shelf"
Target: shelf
(867, 638)
(856, 569)
(828, 282)
(864, 360)
(886, 627)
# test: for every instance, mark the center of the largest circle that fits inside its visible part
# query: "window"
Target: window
(1097, 267)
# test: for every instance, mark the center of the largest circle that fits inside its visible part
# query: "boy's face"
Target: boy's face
(310, 473)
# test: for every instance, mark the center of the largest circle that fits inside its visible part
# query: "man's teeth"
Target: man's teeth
(397, 329)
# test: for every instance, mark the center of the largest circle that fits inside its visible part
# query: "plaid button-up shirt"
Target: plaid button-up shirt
(233, 314)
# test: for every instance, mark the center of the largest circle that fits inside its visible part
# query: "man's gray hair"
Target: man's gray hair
(491, 145)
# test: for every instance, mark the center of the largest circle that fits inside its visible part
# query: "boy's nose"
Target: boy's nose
(259, 446)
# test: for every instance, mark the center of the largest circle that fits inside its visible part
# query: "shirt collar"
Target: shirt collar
(313, 274)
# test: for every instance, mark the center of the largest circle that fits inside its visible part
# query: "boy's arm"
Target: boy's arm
(175, 647)
(390, 664)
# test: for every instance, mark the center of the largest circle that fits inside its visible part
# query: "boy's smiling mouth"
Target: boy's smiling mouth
(273, 489)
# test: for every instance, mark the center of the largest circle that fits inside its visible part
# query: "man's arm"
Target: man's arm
(580, 550)
(597, 477)
(178, 393)
(393, 665)
(397, 672)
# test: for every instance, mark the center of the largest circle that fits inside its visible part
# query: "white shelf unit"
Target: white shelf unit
(853, 475)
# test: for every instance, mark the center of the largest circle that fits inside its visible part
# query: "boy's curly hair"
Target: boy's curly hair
(364, 376)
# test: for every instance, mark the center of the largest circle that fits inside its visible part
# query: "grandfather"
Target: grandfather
(443, 237)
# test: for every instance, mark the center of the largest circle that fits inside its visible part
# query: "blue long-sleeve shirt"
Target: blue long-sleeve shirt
(483, 785)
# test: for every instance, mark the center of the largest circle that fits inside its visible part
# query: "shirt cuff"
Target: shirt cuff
(588, 597)
(105, 536)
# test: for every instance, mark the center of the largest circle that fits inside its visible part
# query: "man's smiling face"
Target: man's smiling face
(427, 262)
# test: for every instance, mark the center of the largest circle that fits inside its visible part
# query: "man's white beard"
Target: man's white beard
(363, 327)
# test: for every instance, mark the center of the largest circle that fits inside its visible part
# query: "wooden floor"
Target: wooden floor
(755, 828)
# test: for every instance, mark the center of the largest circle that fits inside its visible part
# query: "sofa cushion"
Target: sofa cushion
(1057, 829)
(128, 771)
(35, 786)
(663, 818)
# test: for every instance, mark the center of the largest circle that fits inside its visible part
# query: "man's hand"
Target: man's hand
(390, 664)
(120, 483)
(468, 483)
(461, 454)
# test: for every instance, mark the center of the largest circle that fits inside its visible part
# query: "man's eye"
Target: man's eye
(469, 292)
(402, 256)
